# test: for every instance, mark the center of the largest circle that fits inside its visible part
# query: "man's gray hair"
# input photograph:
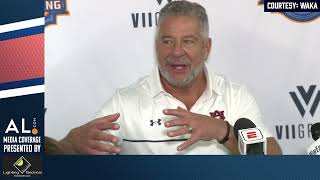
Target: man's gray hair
(185, 8)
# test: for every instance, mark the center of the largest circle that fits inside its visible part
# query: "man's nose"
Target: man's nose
(178, 50)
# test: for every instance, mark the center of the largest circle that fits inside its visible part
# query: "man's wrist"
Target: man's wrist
(67, 146)
(225, 137)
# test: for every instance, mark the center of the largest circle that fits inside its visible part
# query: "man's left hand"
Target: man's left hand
(201, 127)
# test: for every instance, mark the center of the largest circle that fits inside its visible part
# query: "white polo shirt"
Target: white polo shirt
(142, 120)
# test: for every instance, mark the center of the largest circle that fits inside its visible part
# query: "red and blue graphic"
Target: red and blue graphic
(21, 87)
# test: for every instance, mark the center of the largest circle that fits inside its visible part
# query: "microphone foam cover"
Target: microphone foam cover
(242, 123)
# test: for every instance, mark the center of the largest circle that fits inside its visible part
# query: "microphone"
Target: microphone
(314, 149)
(250, 138)
(315, 131)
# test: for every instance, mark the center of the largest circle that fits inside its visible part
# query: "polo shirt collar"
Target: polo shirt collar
(213, 83)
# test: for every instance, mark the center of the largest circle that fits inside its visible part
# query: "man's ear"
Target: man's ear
(156, 43)
(207, 47)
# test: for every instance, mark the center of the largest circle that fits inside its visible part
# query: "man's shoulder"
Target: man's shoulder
(237, 97)
(137, 89)
(224, 86)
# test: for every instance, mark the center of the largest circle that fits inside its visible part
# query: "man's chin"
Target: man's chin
(178, 73)
(178, 79)
(179, 76)
(180, 83)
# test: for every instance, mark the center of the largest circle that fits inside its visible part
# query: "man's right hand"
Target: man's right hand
(88, 138)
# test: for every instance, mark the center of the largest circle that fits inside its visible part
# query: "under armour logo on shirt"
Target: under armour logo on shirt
(152, 122)
(217, 114)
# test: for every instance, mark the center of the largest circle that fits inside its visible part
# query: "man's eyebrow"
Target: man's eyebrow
(191, 36)
(187, 36)
(166, 36)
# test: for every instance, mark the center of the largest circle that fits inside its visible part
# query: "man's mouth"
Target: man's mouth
(179, 66)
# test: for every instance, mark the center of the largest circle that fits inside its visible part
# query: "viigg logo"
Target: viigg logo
(160, 1)
(306, 99)
(147, 19)
(306, 96)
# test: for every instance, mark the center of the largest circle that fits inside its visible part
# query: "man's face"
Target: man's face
(181, 50)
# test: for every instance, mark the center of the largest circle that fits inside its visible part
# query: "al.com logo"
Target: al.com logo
(21, 136)
(12, 127)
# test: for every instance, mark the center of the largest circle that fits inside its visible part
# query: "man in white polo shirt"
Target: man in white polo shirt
(180, 108)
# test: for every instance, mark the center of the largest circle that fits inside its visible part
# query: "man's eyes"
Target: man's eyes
(189, 41)
(167, 41)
